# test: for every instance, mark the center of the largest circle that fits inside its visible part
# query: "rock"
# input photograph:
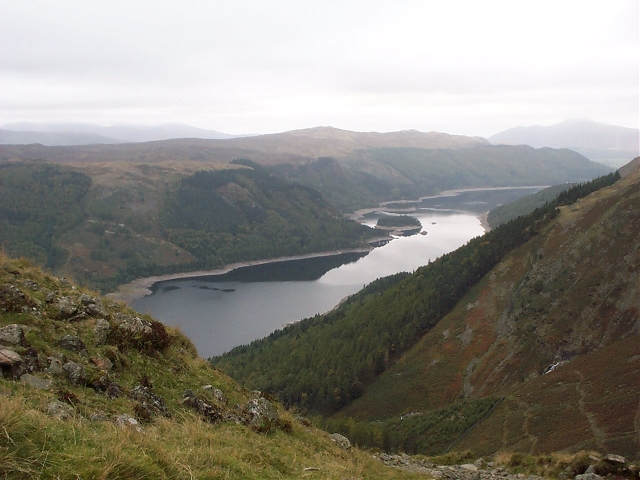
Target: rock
(96, 310)
(479, 463)
(211, 413)
(101, 331)
(591, 469)
(102, 363)
(36, 382)
(10, 363)
(612, 458)
(125, 421)
(55, 366)
(304, 421)
(340, 440)
(13, 300)
(133, 324)
(66, 307)
(588, 476)
(219, 396)
(72, 343)
(30, 361)
(261, 415)
(469, 467)
(12, 335)
(86, 299)
(311, 469)
(150, 403)
(110, 388)
(59, 410)
(98, 417)
(75, 372)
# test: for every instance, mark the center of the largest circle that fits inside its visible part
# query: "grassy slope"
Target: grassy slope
(36, 445)
(569, 293)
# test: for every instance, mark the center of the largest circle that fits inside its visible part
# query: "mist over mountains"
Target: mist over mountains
(600, 142)
(53, 134)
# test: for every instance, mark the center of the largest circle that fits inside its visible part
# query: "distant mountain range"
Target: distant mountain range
(54, 134)
(609, 144)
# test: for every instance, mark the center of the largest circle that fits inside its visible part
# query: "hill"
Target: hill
(498, 345)
(610, 144)
(89, 389)
(118, 222)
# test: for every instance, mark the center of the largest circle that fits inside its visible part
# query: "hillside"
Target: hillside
(371, 176)
(524, 205)
(596, 141)
(118, 222)
(563, 298)
(91, 390)
(551, 334)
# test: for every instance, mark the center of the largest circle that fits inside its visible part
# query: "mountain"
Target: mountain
(90, 389)
(10, 137)
(610, 144)
(85, 134)
(525, 339)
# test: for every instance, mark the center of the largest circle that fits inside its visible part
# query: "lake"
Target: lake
(221, 312)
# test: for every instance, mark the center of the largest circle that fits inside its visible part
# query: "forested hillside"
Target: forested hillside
(149, 220)
(324, 363)
(367, 177)
(522, 206)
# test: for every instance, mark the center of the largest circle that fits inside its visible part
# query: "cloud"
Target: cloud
(261, 66)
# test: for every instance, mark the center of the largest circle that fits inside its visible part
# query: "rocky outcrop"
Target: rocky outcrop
(12, 335)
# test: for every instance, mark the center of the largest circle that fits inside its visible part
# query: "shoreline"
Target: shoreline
(141, 287)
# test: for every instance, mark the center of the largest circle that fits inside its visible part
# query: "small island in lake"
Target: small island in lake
(400, 225)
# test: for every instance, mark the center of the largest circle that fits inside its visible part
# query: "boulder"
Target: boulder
(55, 366)
(101, 331)
(102, 363)
(72, 343)
(110, 388)
(340, 440)
(36, 382)
(66, 308)
(260, 414)
(10, 363)
(12, 335)
(75, 373)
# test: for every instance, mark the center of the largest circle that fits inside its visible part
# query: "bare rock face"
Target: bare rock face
(125, 421)
(12, 335)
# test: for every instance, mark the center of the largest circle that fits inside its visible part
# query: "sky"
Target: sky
(455, 66)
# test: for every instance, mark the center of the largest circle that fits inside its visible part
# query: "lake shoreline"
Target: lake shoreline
(141, 287)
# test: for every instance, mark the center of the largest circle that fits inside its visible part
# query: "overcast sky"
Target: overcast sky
(465, 67)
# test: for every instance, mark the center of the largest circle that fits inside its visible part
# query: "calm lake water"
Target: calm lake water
(221, 312)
